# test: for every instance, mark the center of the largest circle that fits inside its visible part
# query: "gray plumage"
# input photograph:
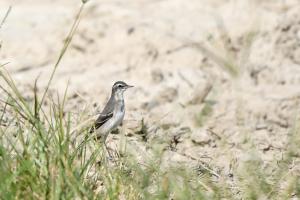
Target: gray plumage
(113, 113)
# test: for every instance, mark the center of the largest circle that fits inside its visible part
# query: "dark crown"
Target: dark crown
(119, 83)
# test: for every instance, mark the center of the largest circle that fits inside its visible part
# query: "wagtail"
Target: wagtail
(113, 113)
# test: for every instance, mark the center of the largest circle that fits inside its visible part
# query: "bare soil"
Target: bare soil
(214, 79)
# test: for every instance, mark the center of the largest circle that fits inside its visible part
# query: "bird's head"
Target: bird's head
(119, 87)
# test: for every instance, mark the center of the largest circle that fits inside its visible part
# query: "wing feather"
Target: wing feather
(105, 115)
(100, 121)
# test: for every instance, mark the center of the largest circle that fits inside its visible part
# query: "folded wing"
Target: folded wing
(105, 115)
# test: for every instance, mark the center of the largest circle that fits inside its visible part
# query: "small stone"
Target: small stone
(157, 76)
(201, 137)
(150, 105)
(130, 30)
(167, 95)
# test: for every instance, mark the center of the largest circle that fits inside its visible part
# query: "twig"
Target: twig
(5, 16)
(201, 163)
(185, 79)
(202, 96)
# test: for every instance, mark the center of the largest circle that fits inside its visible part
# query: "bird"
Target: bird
(113, 113)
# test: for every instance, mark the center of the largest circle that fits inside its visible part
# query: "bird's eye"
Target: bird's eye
(119, 86)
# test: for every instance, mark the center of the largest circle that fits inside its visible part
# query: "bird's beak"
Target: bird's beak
(129, 86)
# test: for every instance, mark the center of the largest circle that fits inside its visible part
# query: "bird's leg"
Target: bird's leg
(107, 150)
(110, 156)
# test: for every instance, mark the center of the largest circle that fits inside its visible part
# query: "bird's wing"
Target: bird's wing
(105, 115)
(100, 121)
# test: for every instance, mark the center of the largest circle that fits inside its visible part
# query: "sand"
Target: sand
(177, 54)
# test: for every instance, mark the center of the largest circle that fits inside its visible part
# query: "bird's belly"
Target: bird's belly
(118, 119)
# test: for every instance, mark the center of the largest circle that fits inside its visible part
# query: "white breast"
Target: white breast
(118, 118)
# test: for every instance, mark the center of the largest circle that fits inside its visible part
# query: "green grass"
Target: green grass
(41, 159)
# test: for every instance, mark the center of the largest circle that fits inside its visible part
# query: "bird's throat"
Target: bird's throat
(119, 96)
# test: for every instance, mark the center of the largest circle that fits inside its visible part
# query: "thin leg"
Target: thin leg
(107, 149)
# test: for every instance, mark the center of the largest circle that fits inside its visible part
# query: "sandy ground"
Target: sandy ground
(173, 51)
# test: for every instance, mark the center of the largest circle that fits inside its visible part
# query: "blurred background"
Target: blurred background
(207, 74)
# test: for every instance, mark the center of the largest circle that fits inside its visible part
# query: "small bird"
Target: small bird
(113, 113)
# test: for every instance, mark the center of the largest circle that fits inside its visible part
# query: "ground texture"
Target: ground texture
(216, 82)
